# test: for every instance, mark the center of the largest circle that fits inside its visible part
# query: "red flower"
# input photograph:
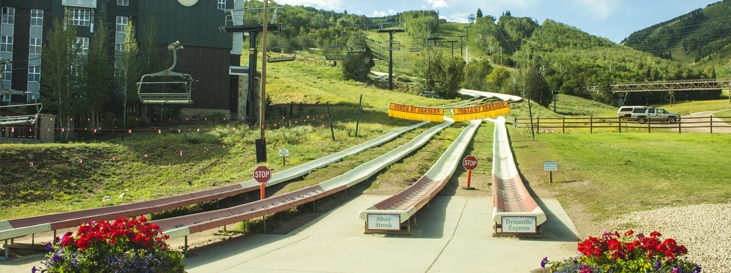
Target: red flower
(655, 234)
(628, 233)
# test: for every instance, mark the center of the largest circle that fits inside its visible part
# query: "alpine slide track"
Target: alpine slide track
(510, 197)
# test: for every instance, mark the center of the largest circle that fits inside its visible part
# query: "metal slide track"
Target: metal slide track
(509, 195)
(185, 225)
(407, 202)
(475, 93)
(14, 228)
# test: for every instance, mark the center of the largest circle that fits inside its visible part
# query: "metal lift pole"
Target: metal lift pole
(390, 61)
(252, 77)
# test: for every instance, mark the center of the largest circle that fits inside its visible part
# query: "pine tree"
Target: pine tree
(128, 67)
(98, 71)
(479, 13)
(59, 82)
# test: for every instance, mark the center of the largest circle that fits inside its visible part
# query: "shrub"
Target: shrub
(627, 253)
(127, 245)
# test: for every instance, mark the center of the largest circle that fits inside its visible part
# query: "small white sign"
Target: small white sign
(519, 224)
(550, 166)
(384, 222)
(283, 152)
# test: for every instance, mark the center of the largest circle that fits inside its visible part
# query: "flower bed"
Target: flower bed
(127, 245)
(626, 253)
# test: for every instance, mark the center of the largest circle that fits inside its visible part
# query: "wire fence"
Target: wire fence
(622, 125)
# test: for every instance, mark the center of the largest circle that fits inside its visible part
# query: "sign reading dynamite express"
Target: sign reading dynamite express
(416, 113)
(482, 111)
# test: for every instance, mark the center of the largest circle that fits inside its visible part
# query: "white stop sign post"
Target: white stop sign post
(469, 163)
(262, 174)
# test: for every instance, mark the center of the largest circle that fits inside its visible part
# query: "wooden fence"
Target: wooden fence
(616, 124)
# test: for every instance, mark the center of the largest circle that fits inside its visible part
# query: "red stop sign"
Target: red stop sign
(262, 174)
(469, 162)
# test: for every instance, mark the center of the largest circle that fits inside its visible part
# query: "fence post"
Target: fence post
(591, 124)
(711, 127)
(680, 121)
(648, 124)
(620, 124)
(515, 122)
(538, 125)
(331, 120)
(563, 125)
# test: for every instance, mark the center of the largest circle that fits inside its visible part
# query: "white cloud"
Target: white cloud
(459, 18)
(383, 13)
(600, 9)
(320, 4)
(438, 3)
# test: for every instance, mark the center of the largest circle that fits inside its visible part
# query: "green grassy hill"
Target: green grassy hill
(698, 38)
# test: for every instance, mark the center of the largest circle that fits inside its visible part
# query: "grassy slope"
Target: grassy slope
(611, 174)
(49, 187)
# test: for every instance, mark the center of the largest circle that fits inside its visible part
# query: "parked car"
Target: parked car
(430, 95)
(653, 114)
(626, 111)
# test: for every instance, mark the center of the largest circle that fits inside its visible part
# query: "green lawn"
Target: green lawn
(612, 174)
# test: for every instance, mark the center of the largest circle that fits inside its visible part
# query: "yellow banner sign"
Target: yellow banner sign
(481, 112)
(416, 113)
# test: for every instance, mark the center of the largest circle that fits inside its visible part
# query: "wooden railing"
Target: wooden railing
(616, 124)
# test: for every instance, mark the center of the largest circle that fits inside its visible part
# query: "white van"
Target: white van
(626, 111)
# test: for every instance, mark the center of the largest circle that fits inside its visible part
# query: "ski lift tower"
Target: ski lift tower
(460, 44)
(434, 37)
(470, 21)
(452, 44)
(253, 21)
(389, 28)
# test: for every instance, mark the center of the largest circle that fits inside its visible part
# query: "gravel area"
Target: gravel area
(703, 229)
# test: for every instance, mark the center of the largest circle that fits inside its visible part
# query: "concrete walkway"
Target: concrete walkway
(454, 235)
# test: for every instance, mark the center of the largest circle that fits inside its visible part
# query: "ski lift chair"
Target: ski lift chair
(337, 53)
(389, 45)
(19, 119)
(415, 47)
(357, 44)
(167, 86)
(281, 53)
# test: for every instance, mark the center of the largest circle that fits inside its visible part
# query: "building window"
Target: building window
(34, 74)
(83, 44)
(35, 45)
(80, 17)
(33, 97)
(6, 43)
(8, 72)
(36, 18)
(222, 4)
(122, 2)
(121, 23)
(8, 15)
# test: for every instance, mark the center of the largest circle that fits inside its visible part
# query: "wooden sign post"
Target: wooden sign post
(550, 167)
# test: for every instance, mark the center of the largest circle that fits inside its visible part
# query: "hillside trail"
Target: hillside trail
(706, 129)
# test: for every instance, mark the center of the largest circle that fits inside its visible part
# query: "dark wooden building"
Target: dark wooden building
(208, 55)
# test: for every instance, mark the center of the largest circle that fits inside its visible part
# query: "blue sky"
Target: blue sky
(612, 19)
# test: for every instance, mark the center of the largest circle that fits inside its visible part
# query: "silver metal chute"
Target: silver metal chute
(168, 86)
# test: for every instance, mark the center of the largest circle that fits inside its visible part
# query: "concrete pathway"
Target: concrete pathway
(454, 235)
